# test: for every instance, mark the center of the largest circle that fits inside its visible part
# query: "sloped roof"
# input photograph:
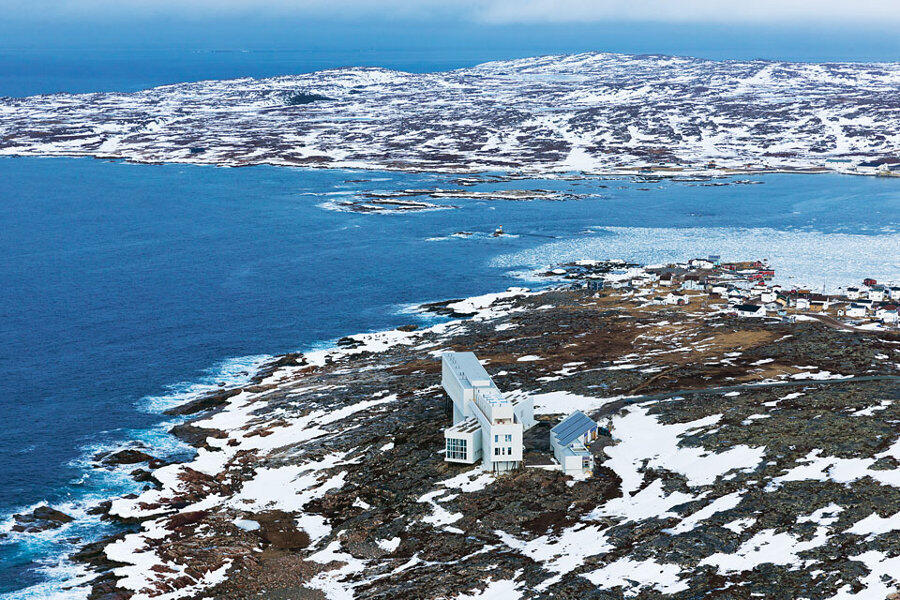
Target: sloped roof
(747, 307)
(573, 426)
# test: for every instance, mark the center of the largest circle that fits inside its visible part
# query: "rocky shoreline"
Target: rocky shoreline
(733, 470)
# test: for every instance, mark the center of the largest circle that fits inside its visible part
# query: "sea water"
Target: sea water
(129, 288)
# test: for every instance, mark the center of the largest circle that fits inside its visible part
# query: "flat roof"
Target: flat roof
(468, 426)
(467, 367)
(493, 395)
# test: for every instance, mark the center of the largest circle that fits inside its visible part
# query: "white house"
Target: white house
(855, 311)
(675, 299)
(887, 314)
(876, 295)
(768, 296)
(570, 439)
(736, 295)
(894, 292)
(701, 263)
(693, 283)
(802, 304)
(486, 425)
(853, 293)
(749, 310)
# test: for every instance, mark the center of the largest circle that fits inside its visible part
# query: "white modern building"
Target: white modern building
(570, 439)
(486, 426)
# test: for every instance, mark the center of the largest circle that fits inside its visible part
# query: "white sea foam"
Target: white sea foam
(232, 372)
(95, 485)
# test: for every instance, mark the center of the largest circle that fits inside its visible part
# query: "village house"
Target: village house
(720, 289)
(801, 303)
(894, 292)
(853, 293)
(867, 304)
(749, 310)
(486, 425)
(818, 305)
(701, 263)
(876, 294)
(676, 299)
(768, 296)
(888, 314)
(854, 310)
(694, 282)
(736, 296)
(570, 440)
(757, 290)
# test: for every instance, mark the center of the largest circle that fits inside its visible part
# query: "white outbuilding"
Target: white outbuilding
(570, 439)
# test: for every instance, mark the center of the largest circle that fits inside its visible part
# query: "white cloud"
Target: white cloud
(489, 11)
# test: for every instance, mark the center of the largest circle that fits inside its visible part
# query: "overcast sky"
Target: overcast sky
(483, 11)
(123, 45)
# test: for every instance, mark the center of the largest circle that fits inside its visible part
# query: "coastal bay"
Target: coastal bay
(106, 258)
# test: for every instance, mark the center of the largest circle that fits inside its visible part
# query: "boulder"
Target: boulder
(41, 518)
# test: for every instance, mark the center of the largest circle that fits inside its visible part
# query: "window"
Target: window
(496, 438)
(508, 437)
(496, 451)
(509, 451)
(456, 449)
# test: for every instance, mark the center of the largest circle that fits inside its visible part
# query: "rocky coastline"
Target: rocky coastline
(735, 468)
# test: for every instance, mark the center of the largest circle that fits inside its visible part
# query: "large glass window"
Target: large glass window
(456, 449)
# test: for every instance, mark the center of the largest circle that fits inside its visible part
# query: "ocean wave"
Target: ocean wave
(232, 372)
(48, 551)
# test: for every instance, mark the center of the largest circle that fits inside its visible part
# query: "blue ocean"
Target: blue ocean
(130, 288)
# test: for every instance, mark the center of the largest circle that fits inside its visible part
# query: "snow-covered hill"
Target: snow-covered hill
(591, 112)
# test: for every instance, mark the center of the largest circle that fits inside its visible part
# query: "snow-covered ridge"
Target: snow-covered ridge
(590, 112)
